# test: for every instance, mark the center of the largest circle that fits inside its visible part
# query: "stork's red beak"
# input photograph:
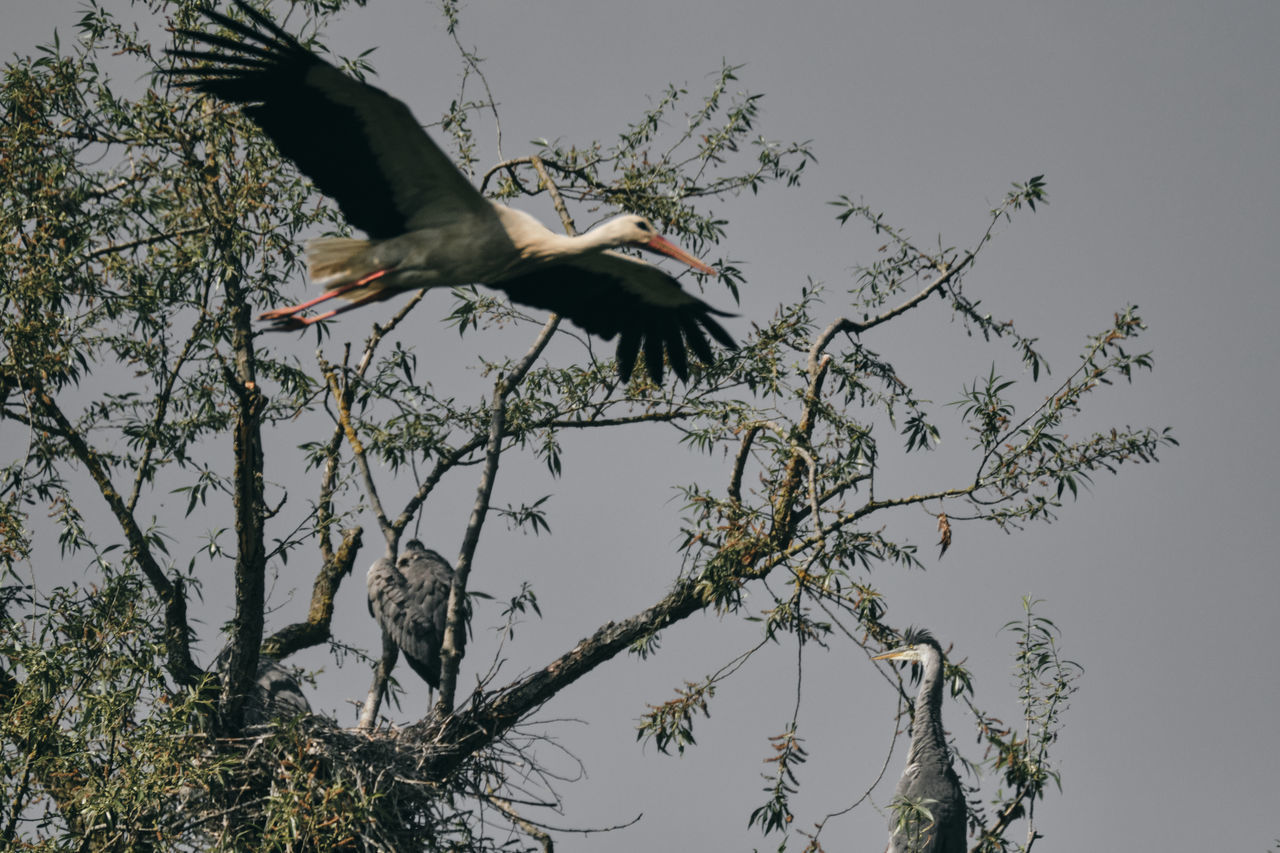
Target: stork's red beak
(663, 246)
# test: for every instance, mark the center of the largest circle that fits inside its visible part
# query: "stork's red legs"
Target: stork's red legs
(285, 319)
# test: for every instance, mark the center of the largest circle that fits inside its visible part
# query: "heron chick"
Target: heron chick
(277, 692)
(929, 809)
(410, 600)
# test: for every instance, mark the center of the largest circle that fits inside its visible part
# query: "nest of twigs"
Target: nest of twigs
(307, 784)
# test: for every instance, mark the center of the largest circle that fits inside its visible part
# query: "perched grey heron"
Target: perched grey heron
(275, 694)
(410, 600)
(928, 784)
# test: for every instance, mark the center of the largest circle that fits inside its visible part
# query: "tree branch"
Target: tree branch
(458, 736)
(250, 514)
(162, 409)
(556, 199)
(784, 499)
(740, 463)
(316, 629)
(143, 241)
(342, 398)
(452, 649)
(172, 592)
(847, 325)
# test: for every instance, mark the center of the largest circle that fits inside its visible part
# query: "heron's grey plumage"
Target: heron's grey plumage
(276, 692)
(928, 780)
(410, 600)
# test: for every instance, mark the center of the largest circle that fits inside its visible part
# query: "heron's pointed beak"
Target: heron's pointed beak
(903, 653)
(663, 246)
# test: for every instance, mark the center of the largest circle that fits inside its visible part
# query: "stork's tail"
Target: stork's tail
(344, 267)
(335, 261)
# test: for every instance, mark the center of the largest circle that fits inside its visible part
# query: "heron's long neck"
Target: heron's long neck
(927, 736)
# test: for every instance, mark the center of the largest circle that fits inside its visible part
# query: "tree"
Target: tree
(146, 229)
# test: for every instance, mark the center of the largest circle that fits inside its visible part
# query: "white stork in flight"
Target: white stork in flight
(427, 226)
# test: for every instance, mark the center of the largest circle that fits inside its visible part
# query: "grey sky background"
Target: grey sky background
(1157, 126)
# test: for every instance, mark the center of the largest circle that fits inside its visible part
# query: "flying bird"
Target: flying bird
(928, 782)
(427, 225)
(410, 600)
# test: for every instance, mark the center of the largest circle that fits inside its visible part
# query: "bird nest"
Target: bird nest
(307, 784)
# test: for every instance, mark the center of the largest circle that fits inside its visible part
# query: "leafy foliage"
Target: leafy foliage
(146, 227)
(1046, 682)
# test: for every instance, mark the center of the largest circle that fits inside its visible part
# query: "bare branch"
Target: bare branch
(249, 503)
(533, 831)
(342, 396)
(143, 241)
(455, 627)
(457, 736)
(740, 463)
(381, 675)
(556, 199)
(316, 629)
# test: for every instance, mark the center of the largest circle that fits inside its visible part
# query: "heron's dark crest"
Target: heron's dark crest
(913, 636)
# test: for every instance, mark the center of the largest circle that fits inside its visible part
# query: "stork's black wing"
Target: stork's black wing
(609, 294)
(359, 145)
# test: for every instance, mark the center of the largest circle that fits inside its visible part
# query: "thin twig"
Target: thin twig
(378, 689)
(538, 834)
(143, 241)
(888, 756)
(342, 397)
(455, 626)
(171, 592)
(740, 463)
(847, 325)
(473, 63)
(554, 192)
(162, 409)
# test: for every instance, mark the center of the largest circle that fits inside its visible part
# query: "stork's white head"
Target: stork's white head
(632, 230)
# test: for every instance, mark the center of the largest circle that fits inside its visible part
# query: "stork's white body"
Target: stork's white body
(504, 245)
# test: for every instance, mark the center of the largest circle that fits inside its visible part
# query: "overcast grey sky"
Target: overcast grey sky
(1157, 126)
